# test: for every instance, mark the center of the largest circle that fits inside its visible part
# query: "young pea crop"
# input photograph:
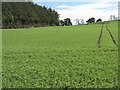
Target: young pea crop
(54, 57)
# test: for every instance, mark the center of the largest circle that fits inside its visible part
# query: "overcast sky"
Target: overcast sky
(79, 9)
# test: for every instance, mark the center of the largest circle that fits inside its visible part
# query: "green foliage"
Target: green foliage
(91, 20)
(67, 22)
(60, 57)
(99, 20)
(27, 14)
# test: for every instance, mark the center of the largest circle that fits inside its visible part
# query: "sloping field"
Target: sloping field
(60, 57)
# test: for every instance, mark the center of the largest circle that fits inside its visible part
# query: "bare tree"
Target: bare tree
(77, 21)
(111, 17)
(82, 21)
(114, 17)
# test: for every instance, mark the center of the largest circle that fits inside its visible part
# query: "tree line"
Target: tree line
(27, 14)
(92, 20)
(65, 22)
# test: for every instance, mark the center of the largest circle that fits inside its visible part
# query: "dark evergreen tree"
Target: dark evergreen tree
(99, 20)
(91, 20)
(67, 22)
(61, 23)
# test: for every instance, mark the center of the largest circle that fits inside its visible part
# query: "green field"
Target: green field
(52, 57)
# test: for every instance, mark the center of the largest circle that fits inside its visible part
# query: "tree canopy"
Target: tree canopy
(27, 14)
(99, 20)
(66, 22)
(91, 20)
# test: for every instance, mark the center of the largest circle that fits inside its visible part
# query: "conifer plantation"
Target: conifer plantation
(27, 14)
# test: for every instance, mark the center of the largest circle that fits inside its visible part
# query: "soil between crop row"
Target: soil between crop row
(101, 32)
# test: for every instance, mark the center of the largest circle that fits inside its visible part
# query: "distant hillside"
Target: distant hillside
(27, 14)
